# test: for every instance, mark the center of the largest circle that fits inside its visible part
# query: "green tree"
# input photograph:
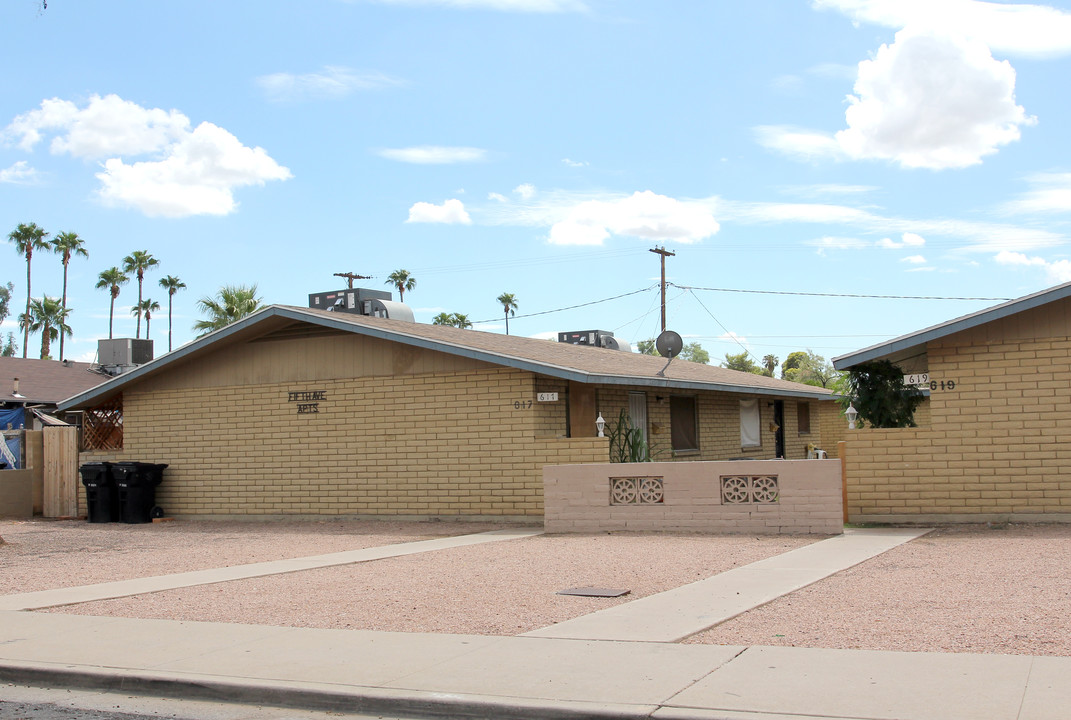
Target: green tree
(65, 245)
(742, 362)
(49, 317)
(792, 362)
(509, 306)
(10, 347)
(5, 301)
(112, 279)
(694, 352)
(769, 363)
(877, 391)
(810, 369)
(137, 263)
(146, 309)
(402, 280)
(231, 303)
(172, 284)
(27, 237)
(457, 320)
(646, 347)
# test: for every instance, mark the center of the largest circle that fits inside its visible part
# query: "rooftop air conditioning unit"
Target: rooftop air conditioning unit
(594, 338)
(353, 300)
(124, 351)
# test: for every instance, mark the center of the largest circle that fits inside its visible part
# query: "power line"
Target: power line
(572, 307)
(837, 295)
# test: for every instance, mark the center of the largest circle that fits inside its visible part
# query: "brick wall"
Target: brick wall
(808, 498)
(456, 444)
(996, 446)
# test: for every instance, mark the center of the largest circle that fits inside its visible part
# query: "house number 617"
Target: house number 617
(522, 404)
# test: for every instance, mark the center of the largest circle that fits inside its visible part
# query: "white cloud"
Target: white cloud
(573, 163)
(190, 172)
(196, 178)
(107, 127)
(547, 6)
(1057, 272)
(331, 82)
(929, 100)
(914, 260)
(644, 214)
(1052, 194)
(799, 143)
(908, 239)
(932, 101)
(1019, 29)
(838, 243)
(451, 212)
(497, 197)
(526, 191)
(19, 174)
(922, 269)
(434, 154)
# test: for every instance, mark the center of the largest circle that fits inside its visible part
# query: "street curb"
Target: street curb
(307, 696)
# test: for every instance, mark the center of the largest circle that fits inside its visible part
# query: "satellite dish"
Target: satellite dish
(669, 344)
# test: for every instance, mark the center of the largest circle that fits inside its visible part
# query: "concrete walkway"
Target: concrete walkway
(534, 677)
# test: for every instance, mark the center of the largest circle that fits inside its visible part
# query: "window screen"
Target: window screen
(803, 417)
(684, 429)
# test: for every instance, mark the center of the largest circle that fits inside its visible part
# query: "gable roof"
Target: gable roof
(569, 362)
(44, 382)
(915, 343)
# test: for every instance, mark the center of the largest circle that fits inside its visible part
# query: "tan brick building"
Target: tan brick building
(994, 436)
(293, 411)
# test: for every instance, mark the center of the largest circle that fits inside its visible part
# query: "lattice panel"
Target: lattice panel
(102, 426)
(739, 489)
(636, 491)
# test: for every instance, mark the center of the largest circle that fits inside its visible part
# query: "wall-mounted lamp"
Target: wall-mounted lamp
(600, 424)
(851, 413)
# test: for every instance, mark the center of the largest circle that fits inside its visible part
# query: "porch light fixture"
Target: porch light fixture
(851, 413)
(600, 425)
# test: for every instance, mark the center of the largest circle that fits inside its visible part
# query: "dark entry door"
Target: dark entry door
(779, 421)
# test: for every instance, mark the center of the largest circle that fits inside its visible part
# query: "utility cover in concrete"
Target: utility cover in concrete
(594, 592)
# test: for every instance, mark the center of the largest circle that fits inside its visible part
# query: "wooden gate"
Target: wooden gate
(60, 472)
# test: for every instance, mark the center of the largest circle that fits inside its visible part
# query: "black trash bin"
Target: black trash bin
(135, 484)
(101, 498)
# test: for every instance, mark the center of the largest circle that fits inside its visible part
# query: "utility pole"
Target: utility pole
(663, 252)
(350, 277)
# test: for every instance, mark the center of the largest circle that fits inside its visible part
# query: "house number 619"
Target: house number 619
(944, 384)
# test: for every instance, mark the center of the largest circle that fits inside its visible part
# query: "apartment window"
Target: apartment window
(803, 418)
(684, 424)
(750, 424)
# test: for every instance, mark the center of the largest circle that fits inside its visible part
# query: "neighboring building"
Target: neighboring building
(294, 411)
(994, 437)
(31, 389)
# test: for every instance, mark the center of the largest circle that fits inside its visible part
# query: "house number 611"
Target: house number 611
(522, 404)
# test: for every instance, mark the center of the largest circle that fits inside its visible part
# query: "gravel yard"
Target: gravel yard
(979, 589)
(983, 589)
(502, 588)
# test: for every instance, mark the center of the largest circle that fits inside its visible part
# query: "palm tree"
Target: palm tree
(50, 318)
(112, 278)
(27, 238)
(509, 306)
(172, 284)
(402, 280)
(146, 309)
(67, 244)
(769, 362)
(232, 302)
(457, 320)
(138, 262)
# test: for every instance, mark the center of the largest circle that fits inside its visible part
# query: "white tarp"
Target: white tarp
(750, 430)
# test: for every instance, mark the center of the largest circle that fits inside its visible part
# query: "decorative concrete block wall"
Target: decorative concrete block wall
(744, 496)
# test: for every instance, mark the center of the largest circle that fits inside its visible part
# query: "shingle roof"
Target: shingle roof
(570, 362)
(915, 343)
(44, 382)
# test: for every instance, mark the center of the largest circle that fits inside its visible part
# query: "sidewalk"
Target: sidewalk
(533, 677)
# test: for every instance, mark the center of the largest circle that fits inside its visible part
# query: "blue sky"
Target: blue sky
(909, 148)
